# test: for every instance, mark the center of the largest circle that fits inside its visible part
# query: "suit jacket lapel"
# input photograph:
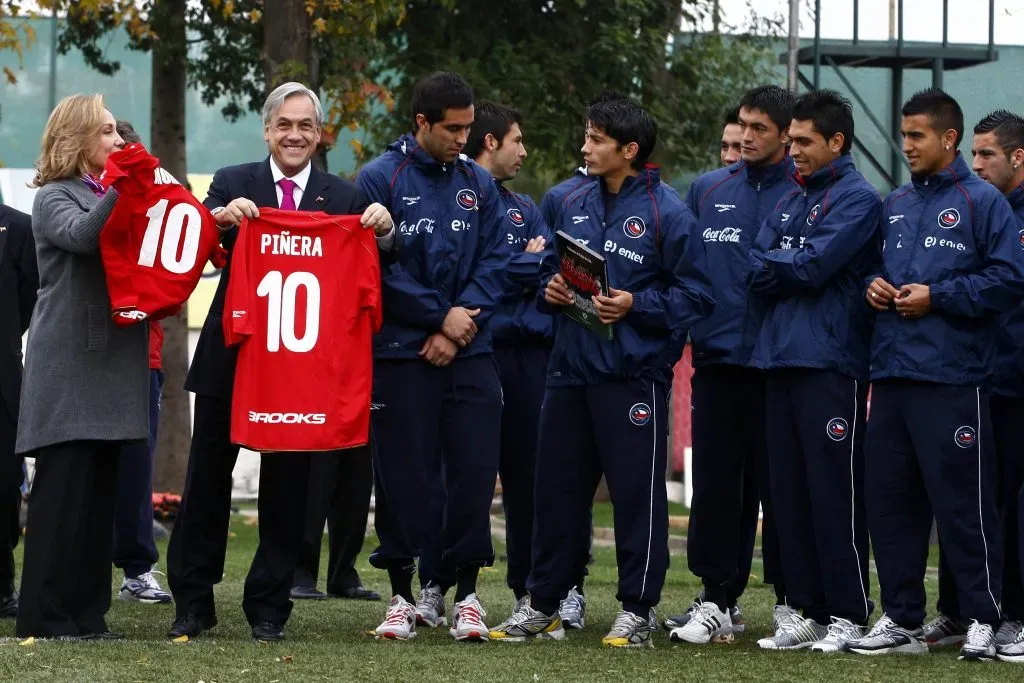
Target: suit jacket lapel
(314, 197)
(261, 188)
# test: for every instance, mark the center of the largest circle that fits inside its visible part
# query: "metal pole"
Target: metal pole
(899, 28)
(939, 64)
(792, 66)
(856, 21)
(53, 61)
(991, 29)
(817, 44)
(896, 155)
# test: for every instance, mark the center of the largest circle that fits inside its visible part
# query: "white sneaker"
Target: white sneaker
(942, 631)
(840, 632)
(1007, 632)
(145, 589)
(707, 623)
(468, 620)
(430, 608)
(629, 630)
(1012, 652)
(573, 609)
(798, 633)
(783, 614)
(980, 644)
(887, 637)
(399, 621)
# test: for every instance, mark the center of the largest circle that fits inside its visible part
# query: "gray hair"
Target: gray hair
(282, 93)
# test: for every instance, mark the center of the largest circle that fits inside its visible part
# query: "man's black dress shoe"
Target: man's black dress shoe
(306, 593)
(357, 593)
(191, 625)
(267, 632)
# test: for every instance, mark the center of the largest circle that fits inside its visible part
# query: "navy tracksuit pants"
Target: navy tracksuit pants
(815, 451)
(429, 415)
(730, 481)
(522, 372)
(135, 550)
(620, 429)
(930, 449)
(1007, 415)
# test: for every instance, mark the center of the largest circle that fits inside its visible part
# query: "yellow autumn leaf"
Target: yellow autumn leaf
(319, 25)
(255, 16)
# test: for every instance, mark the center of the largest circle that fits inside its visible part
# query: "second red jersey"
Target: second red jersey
(303, 300)
(156, 241)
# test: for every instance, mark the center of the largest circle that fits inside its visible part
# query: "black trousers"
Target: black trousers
(730, 481)
(340, 483)
(10, 500)
(65, 581)
(195, 556)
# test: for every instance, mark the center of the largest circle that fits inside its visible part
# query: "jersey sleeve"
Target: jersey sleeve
(238, 318)
(119, 253)
(370, 294)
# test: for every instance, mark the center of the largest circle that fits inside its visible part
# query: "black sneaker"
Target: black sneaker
(191, 625)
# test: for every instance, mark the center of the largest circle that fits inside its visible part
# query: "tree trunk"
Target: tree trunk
(174, 436)
(289, 53)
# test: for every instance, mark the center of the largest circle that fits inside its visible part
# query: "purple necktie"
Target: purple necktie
(287, 197)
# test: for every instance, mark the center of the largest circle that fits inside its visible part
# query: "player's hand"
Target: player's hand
(914, 301)
(613, 308)
(536, 245)
(438, 350)
(880, 294)
(378, 218)
(459, 326)
(557, 293)
(237, 210)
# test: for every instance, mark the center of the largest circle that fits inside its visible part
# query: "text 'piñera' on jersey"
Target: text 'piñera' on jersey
(156, 241)
(303, 300)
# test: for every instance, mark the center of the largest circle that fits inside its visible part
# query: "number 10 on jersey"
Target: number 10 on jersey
(281, 293)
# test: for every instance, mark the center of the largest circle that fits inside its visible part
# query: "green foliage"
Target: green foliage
(550, 58)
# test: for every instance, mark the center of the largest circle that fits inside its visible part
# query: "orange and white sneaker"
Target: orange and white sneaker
(399, 621)
(468, 620)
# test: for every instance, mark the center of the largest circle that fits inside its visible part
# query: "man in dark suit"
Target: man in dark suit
(292, 119)
(19, 282)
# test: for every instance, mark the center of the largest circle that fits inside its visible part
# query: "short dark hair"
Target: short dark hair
(441, 90)
(1008, 129)
(127, 131)
(491, 118)
(945, 112)
(830, 113)
(773, 100)
(732, 116)
(625, 122)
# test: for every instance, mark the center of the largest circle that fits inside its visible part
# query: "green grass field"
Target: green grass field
(327, 641)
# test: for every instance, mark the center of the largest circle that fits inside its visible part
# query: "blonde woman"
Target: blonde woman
(86, 384)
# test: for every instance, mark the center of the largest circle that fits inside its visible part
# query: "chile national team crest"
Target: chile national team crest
(466, 199)
(640, 414)
(516, 216)
(949, 218)
(634, 227)
(813, 215)
(965, 436)
(837, 428)
(1020, 238)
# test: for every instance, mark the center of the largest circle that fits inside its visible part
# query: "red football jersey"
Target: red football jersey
(303, 299)
(157, 240)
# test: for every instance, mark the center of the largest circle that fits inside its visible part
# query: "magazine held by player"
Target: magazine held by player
(586, 273)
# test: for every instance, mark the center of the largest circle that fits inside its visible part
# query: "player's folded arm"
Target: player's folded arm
(844, 231)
